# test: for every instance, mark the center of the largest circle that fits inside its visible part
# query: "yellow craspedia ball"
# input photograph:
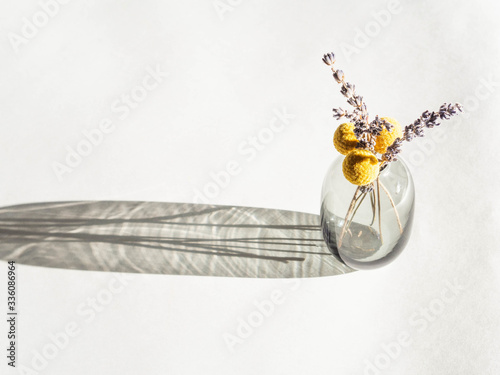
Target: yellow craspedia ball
(386, 138)
(360, 167)
(344, 139)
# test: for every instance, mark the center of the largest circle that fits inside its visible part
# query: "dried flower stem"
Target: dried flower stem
(372, 199)
(393, 206)
(356, 210)
(351, 207)
(379, 212)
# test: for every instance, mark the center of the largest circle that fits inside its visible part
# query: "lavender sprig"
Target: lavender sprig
(359, 116)
(416, 129)
(393, 150)
(430, 120)
(366, 132)
(377, 125)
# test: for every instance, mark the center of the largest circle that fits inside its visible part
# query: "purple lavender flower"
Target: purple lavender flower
(366, 132)
(338, 75)
(426, 120)
(329, 58)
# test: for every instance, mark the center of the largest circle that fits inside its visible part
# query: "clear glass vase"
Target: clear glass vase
(367, 230)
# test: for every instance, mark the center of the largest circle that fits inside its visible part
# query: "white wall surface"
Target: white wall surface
(223, 69)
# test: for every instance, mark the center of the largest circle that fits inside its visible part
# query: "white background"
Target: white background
(231, 64)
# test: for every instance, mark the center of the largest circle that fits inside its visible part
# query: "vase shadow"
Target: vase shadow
(167, 238)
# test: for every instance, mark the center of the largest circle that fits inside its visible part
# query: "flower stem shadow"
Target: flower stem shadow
(167, 238)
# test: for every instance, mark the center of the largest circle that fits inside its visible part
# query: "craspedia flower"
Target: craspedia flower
(344, 139)
(386, 138)
(360, 167)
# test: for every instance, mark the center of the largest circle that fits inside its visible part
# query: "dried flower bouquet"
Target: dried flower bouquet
(369, 146)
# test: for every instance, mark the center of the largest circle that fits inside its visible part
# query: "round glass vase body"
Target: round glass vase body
(367, 230)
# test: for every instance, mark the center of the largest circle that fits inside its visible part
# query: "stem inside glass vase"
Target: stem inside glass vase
(358, 198)
(352, 217)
